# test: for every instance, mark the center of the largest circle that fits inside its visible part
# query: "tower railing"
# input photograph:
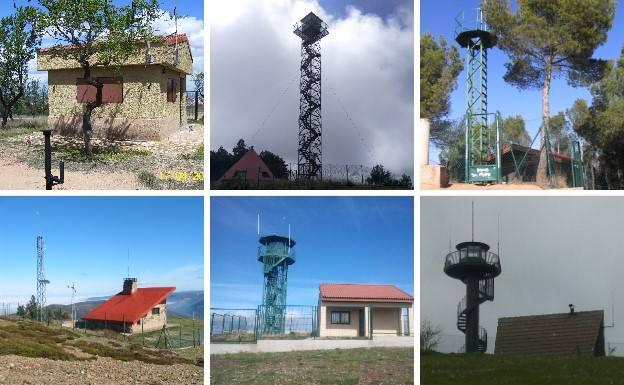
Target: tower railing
(459, 256)
(478, 22)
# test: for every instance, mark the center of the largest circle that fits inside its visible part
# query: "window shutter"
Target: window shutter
(172, 90)
(112, 91)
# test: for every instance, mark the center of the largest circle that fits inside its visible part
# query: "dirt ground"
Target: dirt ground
(102, 371)
(21, 163)
(470, 186)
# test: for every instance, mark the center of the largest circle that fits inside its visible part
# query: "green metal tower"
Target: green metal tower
(276, 255)
(482, 153)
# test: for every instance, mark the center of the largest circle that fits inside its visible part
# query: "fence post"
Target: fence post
(211, 322)
(105, 320)
(347, 168)
(196, 105)
(180, 335)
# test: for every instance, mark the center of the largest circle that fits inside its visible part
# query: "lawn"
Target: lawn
(387, 366)
(481, 369)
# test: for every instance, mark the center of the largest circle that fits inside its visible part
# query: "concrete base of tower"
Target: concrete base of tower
(433, 176)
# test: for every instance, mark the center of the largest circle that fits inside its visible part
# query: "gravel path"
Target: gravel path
(21, 162)
(102, 371)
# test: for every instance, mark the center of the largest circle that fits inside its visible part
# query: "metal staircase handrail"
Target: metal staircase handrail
(458, 256)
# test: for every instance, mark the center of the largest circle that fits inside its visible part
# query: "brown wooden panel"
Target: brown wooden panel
(112, 91)
(172, 90)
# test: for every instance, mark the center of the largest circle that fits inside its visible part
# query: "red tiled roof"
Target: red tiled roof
(169, 40)
(252, 165)
(129, 307)
(360, 293)
(575, 334)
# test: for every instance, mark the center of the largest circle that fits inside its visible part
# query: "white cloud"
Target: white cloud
(192, 27)
(367, 72)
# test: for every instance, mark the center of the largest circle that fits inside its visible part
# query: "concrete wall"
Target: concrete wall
(386, 321)
(339, 330)
(266, 346)
(144, 114)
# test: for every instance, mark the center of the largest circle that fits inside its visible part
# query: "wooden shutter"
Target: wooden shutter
(172, 90)
(112, 91)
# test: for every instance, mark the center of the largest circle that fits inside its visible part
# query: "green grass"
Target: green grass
(16, 131)
(100, 155)
(33, 339)
(388, 366)
(198, 154)
(480, 369)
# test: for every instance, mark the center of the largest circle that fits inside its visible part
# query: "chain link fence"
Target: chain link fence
(276, 322)
(194, 106)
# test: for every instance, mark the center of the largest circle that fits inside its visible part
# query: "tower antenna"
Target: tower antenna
(473, 221)
(311, 29)
(73, 305)
(41, 280)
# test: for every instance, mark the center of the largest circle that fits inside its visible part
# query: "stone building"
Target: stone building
(133, 310)
(144, 99)
(357, 310)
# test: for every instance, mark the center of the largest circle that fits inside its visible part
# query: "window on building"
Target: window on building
(156, 311)
(341, 317)
(240, 174)
(265, 174)
(172, 90)
(112, 90)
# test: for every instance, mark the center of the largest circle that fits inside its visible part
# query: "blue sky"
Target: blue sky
(382, 8)
(339, 239)
(438, 18)
(87, 240)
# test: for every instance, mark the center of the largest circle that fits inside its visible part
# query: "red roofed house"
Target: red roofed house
(354, 310)
(250, 167)
(133, 310)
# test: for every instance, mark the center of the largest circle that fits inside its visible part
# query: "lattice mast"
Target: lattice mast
(276, 255)
(41, 280)
(311, 29)
(476, 267)
(482, 145)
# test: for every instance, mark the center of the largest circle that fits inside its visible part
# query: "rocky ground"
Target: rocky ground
(16, 370)
(173, 163)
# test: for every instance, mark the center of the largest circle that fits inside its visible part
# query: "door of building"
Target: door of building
(361, 331)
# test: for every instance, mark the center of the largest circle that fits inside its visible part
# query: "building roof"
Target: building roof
(161, 50)
(253, 167)
(129, 307)
(352, 292)
(551, 334)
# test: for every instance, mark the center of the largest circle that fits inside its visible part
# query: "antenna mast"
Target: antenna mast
(41, 280)
(73, 305)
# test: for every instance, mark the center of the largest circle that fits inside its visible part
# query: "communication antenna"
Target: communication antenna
(176, 56)
(258, 224)
(41, 280)
(289, 237)
(612, 313)
(473, 221)
(73, 305)
(128, 263)
(498, 235)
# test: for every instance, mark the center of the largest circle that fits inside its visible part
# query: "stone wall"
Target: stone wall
(145, 113)
(162, 54)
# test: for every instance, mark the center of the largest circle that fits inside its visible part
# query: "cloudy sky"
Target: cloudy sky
(190, 21)
(367, 79)
(554, 251)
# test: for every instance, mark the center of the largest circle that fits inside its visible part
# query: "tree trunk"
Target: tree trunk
(87, 130)
(5, 117)
(542, 172)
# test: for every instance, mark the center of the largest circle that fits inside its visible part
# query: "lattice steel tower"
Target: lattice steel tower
(311, 29)
(276, 255)
(476, 267)
(482, 163)
(41, 280)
